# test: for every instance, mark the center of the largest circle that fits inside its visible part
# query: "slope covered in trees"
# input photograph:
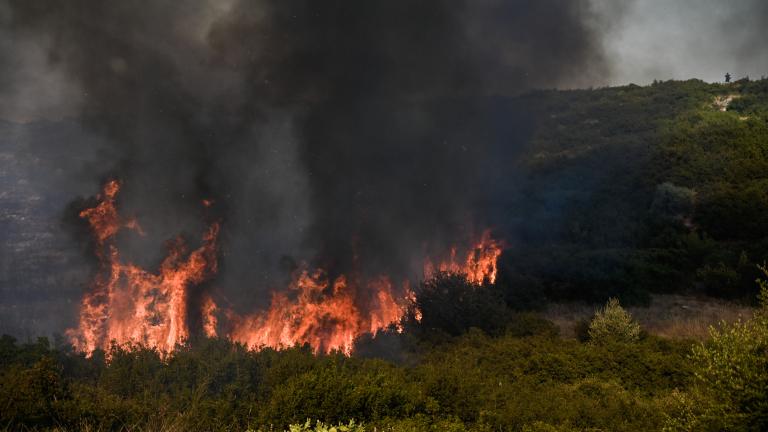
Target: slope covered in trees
(634, 190)
(618, 192)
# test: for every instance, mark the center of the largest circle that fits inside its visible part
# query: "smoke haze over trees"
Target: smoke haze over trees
(322, 131)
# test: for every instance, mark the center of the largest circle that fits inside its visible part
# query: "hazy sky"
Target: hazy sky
(681, 39)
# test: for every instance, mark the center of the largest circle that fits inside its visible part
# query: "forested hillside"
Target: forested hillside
(620, 193)
(634, 190)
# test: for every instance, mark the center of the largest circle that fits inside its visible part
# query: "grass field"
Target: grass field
(671, 316)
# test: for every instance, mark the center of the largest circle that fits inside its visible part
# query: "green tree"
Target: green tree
(30, 396)
(613, 323)
(450, 303)
(731, 373)
(673, 202)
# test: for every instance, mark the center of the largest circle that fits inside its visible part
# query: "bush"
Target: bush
(731, 370)
(672, 202)
(581, 330)
(32, 396)
(321, 427)
(450, 303)
(530, 324)
(613, 324)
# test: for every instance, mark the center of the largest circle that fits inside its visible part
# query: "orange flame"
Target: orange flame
(209, 317)
(322, 314)
(128, 304)
(479, 265)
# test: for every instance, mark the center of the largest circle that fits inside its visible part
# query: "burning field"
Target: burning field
(128, 304)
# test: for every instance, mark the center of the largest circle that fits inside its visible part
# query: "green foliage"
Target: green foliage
(581, 330)
(422, 423)
(631, 190)
(613, 324)
(530, 324)
(719, 279)
(624, 192)
(731, 372)
(673, 202)
(321, 427)
(724, 157)
(546, 427)
(474, 382)
(450, 303)
(32, 395)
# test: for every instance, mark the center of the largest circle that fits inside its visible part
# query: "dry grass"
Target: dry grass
(672, 316)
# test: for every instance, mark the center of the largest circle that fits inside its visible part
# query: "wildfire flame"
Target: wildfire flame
(323, 314)
(479, 264)
(209, 317)
(128, 304)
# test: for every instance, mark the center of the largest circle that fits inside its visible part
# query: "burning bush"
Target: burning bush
(450, 303)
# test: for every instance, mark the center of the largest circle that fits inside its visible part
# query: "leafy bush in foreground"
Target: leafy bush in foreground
(731, 373)
(322, 427)
(473, 382)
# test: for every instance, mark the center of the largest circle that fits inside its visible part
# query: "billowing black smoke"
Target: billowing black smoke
(350, 133)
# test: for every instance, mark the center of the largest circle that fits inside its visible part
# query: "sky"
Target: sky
(682, 39)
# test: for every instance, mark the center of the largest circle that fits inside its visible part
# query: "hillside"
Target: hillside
(655, 195)
(634, 190)
(626, 191)
(42, 270)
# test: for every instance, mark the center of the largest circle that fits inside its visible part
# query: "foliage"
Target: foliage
(633, 190)
(321, 427)
(581, 330)
(450, 303)
(731, 372)
(613, 324)
(620, 192)
(472, 382)
(672, 202)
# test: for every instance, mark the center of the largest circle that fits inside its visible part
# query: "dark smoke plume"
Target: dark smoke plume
(350, 133)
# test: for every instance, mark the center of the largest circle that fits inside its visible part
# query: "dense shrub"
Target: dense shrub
(450, 303)
(613, 324)
(631, 190)
(472, 382)
(731, 371)
(319, 426)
